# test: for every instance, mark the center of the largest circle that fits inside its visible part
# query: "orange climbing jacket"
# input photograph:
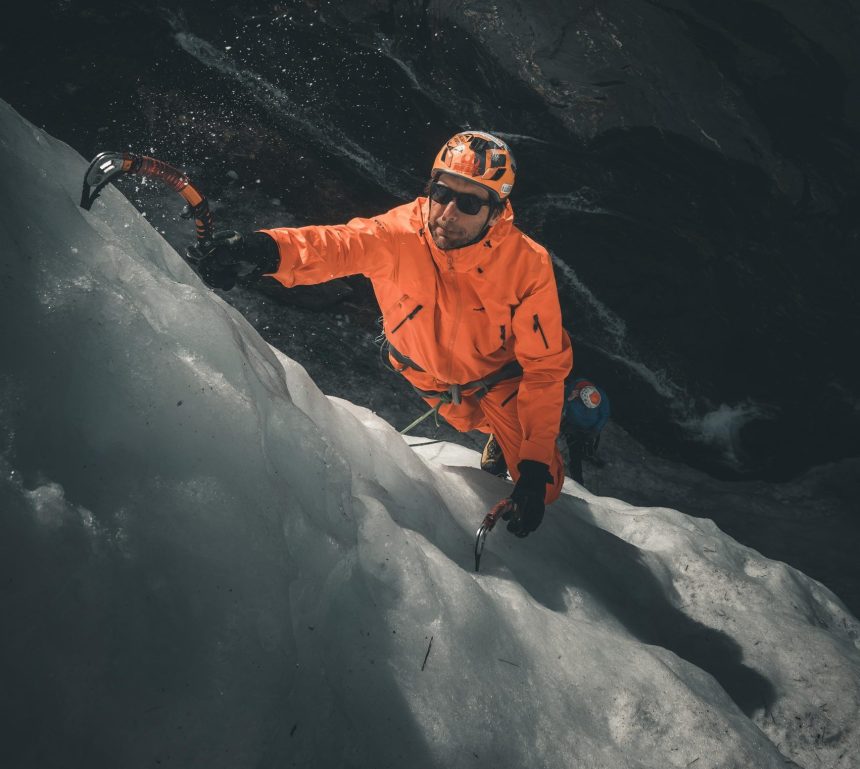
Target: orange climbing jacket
(456, 316)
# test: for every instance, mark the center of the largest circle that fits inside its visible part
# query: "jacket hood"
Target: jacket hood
(468, 257)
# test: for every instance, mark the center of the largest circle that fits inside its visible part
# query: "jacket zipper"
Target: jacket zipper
(409, 317)
(537, 327)
(457, 311)
(503, 333)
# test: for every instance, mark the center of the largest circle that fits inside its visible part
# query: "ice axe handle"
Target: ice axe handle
(106, 166)
(490, 520)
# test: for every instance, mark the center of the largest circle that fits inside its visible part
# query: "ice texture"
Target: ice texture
(206, 562)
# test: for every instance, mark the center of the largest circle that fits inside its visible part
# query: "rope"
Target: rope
(434, 410)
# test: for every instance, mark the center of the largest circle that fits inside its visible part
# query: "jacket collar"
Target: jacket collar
(471, 256)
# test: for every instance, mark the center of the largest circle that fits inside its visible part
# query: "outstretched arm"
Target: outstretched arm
(294, 256)
(320, 253)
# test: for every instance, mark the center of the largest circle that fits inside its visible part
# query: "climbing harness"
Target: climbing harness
(454, 393)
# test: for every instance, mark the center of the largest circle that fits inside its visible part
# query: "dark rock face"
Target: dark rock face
(706, 191)
(692, 165)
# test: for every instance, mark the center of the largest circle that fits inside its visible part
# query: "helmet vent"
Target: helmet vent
(478, 144)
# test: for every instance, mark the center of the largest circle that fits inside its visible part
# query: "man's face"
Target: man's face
(449, 226)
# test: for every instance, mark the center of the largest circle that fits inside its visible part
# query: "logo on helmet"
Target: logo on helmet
(590, 396)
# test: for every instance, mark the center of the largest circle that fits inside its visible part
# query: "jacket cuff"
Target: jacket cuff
(283, 270)
(537, 451)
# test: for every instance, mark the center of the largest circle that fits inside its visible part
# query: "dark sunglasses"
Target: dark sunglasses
(467, 203)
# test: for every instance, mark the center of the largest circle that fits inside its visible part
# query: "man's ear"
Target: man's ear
(495, 216)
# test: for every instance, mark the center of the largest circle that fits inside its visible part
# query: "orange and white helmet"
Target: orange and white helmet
(481, 158)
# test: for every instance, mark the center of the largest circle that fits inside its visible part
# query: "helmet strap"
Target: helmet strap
(486, 227)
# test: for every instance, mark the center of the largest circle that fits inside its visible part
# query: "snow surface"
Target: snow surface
(205, 562)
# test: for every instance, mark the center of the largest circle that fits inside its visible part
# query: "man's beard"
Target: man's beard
(448, 239)
(456, 238)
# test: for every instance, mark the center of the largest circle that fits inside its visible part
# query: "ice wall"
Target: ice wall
(206, 562)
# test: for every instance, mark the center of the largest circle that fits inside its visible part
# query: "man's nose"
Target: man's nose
(451, 211)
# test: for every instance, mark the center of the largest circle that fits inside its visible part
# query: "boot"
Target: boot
(492, 459)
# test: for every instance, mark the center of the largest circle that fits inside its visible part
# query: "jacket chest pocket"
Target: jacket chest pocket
(399, 313)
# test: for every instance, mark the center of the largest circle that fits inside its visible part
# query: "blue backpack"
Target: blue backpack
(586, 406)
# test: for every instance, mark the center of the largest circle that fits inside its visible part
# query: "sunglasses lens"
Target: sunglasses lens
(441, 194)
(468, 204)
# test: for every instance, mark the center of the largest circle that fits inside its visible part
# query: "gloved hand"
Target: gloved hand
(528, 496)
(218, 260)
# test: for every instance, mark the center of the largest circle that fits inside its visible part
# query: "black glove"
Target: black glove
(217, 260)
(527, 496)
(229, 256)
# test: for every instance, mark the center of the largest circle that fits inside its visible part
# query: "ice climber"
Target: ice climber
(469, 303)
(585, 414)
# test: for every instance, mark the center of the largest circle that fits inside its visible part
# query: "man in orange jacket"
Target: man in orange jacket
(469, 304)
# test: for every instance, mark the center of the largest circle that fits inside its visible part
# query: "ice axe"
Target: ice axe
(106, 166)
(503, 509)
